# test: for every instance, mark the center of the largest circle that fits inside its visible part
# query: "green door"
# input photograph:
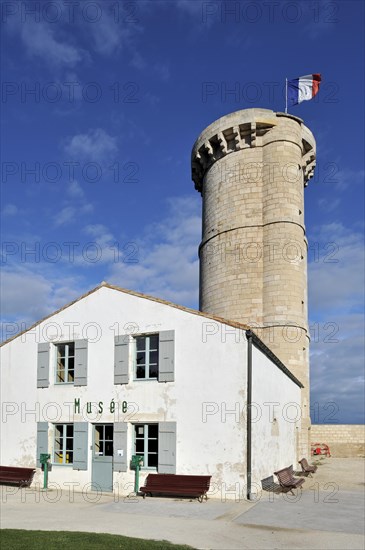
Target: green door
(102, 462)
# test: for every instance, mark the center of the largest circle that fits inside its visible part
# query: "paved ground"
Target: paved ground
(328, 515)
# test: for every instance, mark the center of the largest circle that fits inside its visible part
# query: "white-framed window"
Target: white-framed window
(146, 357)
(63, 448)
(65, 363)
(146, 444)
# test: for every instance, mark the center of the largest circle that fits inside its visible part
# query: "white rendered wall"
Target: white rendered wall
(207, 399)
(276, 416)
(211, 371)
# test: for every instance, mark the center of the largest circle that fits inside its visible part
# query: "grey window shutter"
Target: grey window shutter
(166, 356)
(43, 366)
(120, 443)
(80, 445)
(167, 448)
(121, 359)
(42, 440)
(80, 363)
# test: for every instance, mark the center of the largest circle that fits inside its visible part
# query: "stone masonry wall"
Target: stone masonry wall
(344, 440)
(251, 168)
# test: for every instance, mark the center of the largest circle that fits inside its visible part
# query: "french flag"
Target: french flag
(303, 88)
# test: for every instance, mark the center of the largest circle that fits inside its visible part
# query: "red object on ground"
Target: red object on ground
(320, 449)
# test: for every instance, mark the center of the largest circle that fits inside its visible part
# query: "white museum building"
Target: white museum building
(117, 373)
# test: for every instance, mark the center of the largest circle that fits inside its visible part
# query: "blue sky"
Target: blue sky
(101, 104)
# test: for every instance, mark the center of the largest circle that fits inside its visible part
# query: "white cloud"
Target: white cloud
(96, 145)
(65, 216)
(99, 249)
(18, 298)
(104, 240)
(108, 34)
(28, 296)
(336, 292)
(75, 190)
(336, 260)
(99, 232)
(71, 214)
(163, 262)
(75, 206)
(348, 178)
(337, 369)
(329, 205)
(10, 210)
(116, 30)
(86, 208)
(40, 41)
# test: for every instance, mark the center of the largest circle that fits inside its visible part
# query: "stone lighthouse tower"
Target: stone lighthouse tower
(251, 167)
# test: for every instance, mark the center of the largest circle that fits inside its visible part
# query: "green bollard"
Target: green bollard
(45, 476)
(44, 457)
(136, 479)
(137, 462)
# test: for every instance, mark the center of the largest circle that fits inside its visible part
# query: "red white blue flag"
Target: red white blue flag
(303, 88)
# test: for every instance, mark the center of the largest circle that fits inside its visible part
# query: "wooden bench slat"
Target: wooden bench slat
(306, 468)
(175, 484)
(16, 475)
(287, 481)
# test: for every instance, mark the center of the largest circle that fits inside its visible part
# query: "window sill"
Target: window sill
(145, 379)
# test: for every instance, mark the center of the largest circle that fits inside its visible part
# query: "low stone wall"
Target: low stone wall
(344, 440)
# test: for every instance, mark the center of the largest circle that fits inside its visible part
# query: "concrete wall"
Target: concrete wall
(344, 440)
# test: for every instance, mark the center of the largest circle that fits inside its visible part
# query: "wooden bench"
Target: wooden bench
(14, 475)
(268, 484)
(287, 480)
(306, 468)
(176, 485)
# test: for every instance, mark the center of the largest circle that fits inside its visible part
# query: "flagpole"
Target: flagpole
(286, 96)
